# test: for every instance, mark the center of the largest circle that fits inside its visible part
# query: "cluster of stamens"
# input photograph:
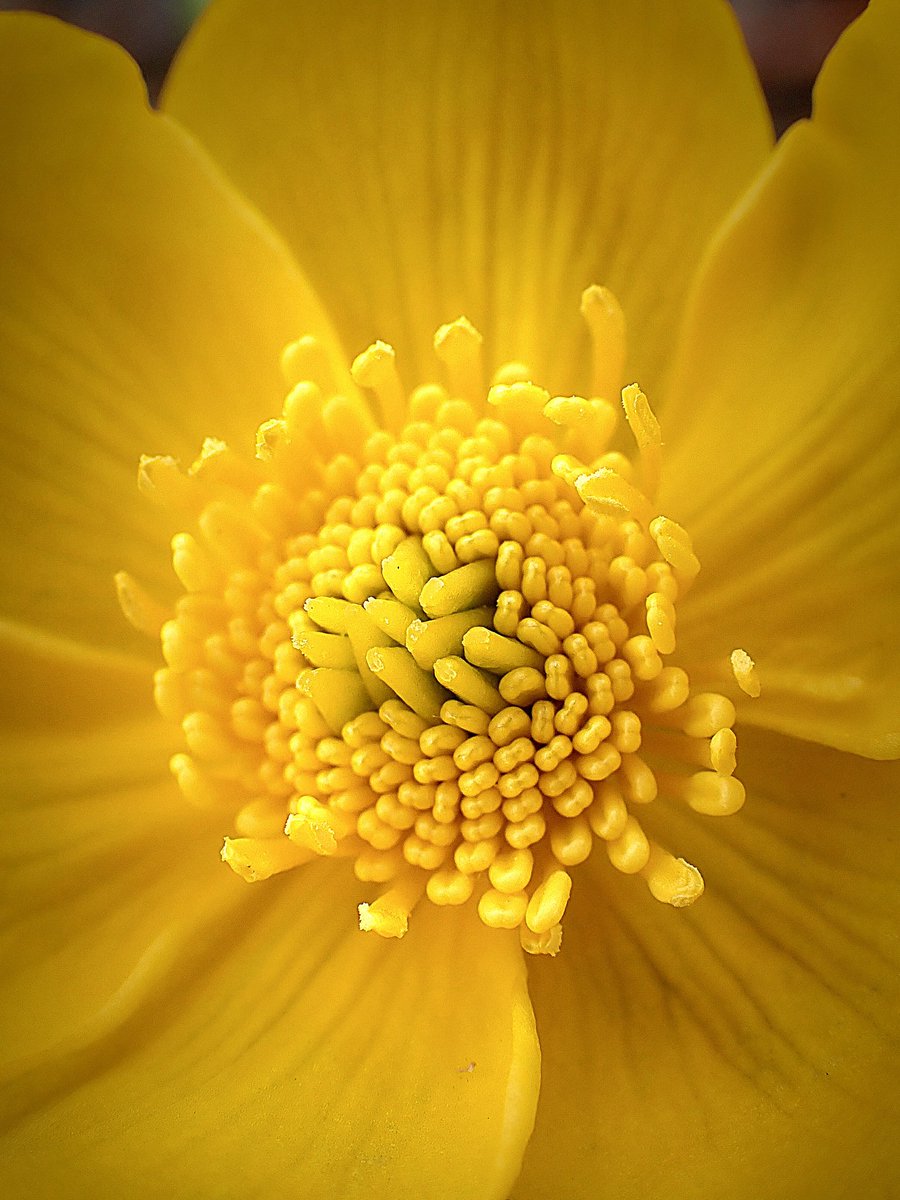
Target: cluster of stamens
(439, 652)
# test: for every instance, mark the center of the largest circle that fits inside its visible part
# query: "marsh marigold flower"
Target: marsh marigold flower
(534, 672)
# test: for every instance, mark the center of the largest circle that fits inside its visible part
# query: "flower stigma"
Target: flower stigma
(438, 647)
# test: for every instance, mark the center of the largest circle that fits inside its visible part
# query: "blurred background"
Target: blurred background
(787, 38)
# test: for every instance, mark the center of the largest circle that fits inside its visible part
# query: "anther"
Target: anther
(675, 546)
(390, 913)
(458, 346)
(161, 480)
(521, 404)
(438, 651)
(745, 673)
(672, 880)
(591, 425)
(646, 432)
(606, 491)
(376, 369)
(144, 613)
(428, 641)
(255, 859)
(306, 359)
(466, 587)
(407, 571)
(606, 325)
(470, 684)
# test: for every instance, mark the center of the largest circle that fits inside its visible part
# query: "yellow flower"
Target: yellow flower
(549, 764)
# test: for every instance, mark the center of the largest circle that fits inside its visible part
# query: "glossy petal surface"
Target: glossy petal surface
(334, 1063)
(180, 1034)
(788, 382)
(747, 1045)
(141, 312)
(427, 160)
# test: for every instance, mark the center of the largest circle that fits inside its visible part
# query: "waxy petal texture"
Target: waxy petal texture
(747, 1045)
(242, 1057)
(788, 381)
(141, 312)
(425, 160)
(176, 1033)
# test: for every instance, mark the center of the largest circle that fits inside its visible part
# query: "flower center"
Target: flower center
(440, 652)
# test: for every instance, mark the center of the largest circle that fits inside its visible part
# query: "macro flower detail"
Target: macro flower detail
(440, 653)
(477, 656)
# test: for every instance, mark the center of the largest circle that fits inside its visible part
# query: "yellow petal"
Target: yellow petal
(143, 306)
(54, 685)
(428, 160)
(98, 847)
(282, 1051)
(102, 862)
(745, 1046)
(784, 422)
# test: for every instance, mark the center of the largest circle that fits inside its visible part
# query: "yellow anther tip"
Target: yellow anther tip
(723, 752)
(139, 609)
(548, 903)
(238, 863)
(745, 673)
(674, 544)
(503, 395)
(511, 372)
(673, 881)
(641, 417)
(302, 359)
(255, 859)
(599, 302)
(374, 365)
(541, 943)
(317, 836)
(386, 923)
(502, 910)
(455, 338)
(568, 468)
(606, 491)
(715, 795)
(566, 410)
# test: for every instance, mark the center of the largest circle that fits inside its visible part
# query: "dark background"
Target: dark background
(787, 38)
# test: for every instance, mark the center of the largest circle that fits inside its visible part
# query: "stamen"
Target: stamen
(469, 684)
(255, 859)
(672, 880)
(675, 546)
(467, 587)
(398, 669)
(605, 491)
(305, 359)
(389, 915)
(376, 369)
(140, 609)
(548, 902)
(645, 429)
(161, 480)
(458, 346)
(745, 673)
(606, 324)
(520, 404)
(428, 641)
(316, 828)
(592, 423)
(440, 650)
